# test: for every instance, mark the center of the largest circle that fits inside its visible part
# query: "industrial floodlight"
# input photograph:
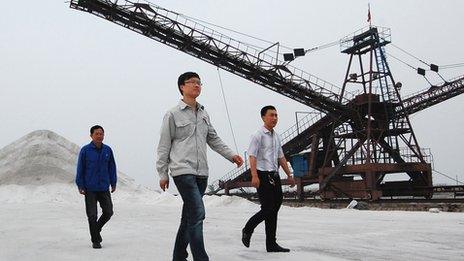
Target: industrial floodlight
(421, 71)
(288, 57)
(299, 52)
(434, 67)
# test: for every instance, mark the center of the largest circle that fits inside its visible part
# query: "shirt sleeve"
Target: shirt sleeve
(80, 173)
(216, 144)
(255, 143)
(164, 146)
(112, 170)
(281, 151)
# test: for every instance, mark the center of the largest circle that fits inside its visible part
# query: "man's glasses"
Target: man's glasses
(194, 82)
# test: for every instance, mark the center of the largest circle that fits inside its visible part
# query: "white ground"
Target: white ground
(49, 223)
(42, 217)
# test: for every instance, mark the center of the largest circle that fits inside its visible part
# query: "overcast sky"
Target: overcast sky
(65, 70)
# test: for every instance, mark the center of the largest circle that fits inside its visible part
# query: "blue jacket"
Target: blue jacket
(96, 169)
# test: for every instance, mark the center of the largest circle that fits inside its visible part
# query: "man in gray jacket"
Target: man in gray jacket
(185, 132)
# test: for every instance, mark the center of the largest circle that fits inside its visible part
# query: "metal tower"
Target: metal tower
(362, 133)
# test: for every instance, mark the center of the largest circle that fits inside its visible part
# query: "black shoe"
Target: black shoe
(96, 245)
(276, 248)
(246, 237)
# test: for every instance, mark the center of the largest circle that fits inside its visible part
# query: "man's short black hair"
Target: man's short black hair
(184, 77)
(266, 108)
(96, 127)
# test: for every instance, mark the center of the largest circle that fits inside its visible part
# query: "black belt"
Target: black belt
(268, 172)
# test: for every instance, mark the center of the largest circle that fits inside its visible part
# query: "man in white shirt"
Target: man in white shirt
(266, 155)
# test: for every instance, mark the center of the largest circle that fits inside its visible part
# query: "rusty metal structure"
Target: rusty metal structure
(361, 132)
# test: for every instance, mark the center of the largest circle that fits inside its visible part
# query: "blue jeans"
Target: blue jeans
(191, 189)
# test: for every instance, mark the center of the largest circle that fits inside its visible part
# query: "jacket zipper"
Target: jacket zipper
(196, 141)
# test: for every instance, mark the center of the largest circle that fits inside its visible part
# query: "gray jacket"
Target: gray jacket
(182, 144)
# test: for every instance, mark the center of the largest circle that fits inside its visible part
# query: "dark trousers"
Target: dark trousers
(270, 198)
(95, 225)
(191, 189)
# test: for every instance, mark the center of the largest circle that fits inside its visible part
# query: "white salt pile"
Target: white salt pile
(41, 166)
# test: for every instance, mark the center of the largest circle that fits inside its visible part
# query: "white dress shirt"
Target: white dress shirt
(266, 147)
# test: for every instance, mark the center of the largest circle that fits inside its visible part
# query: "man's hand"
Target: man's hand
(164, 184)
(255, 181)
(291, 181)
(237, 160)
(113, 188)
(82, 191)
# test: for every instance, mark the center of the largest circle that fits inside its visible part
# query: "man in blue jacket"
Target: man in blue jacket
(96, 172)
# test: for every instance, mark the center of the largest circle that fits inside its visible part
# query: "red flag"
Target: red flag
(369, 13)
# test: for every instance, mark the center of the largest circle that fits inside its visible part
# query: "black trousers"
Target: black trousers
(270, 198)
(95, 225)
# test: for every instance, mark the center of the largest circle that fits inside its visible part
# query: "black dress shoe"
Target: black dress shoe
(246, 237)
(276, 248)
(96, 245)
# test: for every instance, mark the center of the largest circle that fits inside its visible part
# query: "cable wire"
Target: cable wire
(234, 31)
(454, 179)
(403, 62)
(227, 110)
(323, 46)
(449, 66)
(410, 54)
(201, 22)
